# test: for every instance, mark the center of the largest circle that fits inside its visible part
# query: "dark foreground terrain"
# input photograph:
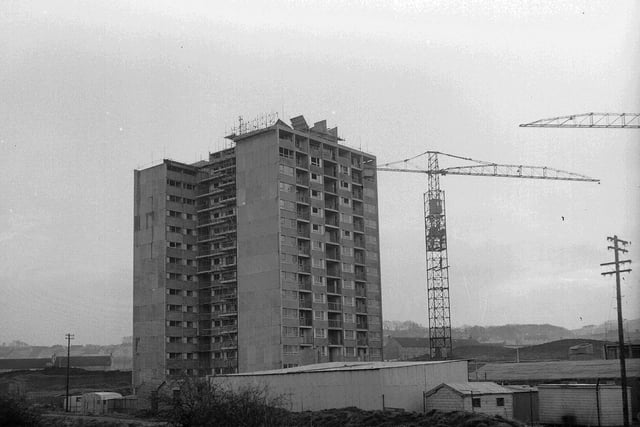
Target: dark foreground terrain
(348, 417)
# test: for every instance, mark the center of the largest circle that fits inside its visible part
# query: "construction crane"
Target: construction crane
(589, 120)
(436, 231)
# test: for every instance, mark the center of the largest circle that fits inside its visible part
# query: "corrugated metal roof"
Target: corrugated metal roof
(559, 370)
(342, 366)
(105, 395)
(478, 388)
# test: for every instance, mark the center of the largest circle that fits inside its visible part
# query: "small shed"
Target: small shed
(485, 397)
(75, 403)
(581, 404)
(100, 402)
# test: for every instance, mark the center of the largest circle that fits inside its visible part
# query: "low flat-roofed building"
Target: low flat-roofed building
(365, 385)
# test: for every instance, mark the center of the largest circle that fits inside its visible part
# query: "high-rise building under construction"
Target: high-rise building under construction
(262, 257)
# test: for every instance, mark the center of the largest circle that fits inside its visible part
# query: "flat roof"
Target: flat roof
(341, 366)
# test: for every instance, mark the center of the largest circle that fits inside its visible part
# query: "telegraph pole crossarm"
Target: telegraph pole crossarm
(623, 368)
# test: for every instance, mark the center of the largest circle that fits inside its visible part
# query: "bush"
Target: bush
(200, 403)
(15, 411)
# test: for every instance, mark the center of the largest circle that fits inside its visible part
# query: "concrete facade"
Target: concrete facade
(365, 385)
(264, 256)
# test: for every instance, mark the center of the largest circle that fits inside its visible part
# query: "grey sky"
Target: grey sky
(91, 90)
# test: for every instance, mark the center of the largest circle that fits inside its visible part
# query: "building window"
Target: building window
(290, 349)
(315, 161)
(316, 244)
(349, 334)
(499, 401)
(287, 188)
(288, 331)
(347, 268)
(289, 313)
(317, 263)
(317, 212)
(347, 219)
(346, 251)
(319, 297)
(317, 228)
(286, 153)
(320, 333)
(286, 170)
(345, 201)
(319, 315)
(344, 184)
(318, 280)
(315, 194)
(344, 169)
(316, 178)
(346, 234)
(475, 402)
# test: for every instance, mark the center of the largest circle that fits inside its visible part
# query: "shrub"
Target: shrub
(200, 403)
(15, 411)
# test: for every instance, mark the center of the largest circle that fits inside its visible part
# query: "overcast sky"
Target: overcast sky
(91, 90)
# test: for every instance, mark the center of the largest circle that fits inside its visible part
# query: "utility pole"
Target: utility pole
(69, 337)
(617, 262)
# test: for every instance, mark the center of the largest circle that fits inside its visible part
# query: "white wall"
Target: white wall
(580, 401)
(402, 387)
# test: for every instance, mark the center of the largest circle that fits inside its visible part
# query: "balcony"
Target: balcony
(361, 325)
(361, 308)
(302, 198)
(304, 321)
(306, 340)
(361, 342)
(304, 268)
(335, 324)
(305, 303)
(334, 306)
(335, 340)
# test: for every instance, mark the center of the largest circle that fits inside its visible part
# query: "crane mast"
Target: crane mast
(438, 302)
(435, 225)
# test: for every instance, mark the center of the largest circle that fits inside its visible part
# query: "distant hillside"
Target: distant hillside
(518, 334)
(609, 330)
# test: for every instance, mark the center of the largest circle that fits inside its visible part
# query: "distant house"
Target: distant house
(405, 348)
(631, 350)
(485, 397)
(90, 363)
(7, 365)
(582, 351)
(99, 402)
